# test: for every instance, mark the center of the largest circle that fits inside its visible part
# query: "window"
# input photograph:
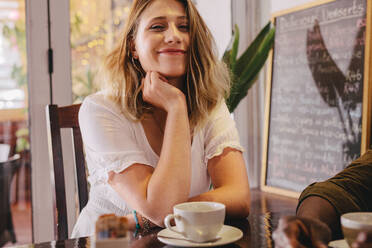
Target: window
(95, 28)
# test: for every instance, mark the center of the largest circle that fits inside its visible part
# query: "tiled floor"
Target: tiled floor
(20, 197)
(21, 214)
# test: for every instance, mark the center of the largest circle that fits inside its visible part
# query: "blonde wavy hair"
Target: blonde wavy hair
(207, 79)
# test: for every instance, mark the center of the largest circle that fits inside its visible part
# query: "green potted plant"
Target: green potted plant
(22, 143)
(244, 70)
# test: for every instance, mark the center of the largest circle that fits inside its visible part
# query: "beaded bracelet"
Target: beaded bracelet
(146, 225)
(138, 226)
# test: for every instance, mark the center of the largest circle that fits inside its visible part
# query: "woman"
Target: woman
(160, 133)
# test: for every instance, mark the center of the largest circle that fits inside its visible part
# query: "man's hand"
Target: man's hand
(363, 240)
(299, 232)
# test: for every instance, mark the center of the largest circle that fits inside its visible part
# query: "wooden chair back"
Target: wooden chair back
(57, 118)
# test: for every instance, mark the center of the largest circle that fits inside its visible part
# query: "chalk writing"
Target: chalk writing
(329, 13)
(316, 93)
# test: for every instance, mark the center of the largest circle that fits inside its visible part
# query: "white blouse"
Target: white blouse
(113, 143)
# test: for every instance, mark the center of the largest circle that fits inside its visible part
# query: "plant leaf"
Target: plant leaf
(250, 72)
(229, 56)
(226, 57)
(258, 61)
(247, 56)
(235, 46)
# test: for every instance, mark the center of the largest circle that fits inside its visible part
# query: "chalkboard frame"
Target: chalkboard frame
(366, 139)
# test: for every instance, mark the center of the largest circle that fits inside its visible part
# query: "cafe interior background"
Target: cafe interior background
(80, 33)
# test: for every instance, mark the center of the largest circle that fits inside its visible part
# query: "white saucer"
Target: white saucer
(228, 235)
(339, 244)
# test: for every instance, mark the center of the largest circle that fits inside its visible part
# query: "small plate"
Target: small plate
(228, 235)
(339, 244)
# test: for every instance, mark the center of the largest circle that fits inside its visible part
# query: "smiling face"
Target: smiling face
(162, 39)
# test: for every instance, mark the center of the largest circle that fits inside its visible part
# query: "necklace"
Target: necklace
(157, 122)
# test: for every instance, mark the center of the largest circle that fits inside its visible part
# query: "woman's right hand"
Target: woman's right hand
(157, 91)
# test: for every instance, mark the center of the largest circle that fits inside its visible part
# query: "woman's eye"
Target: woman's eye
(157, 27)
(184, 27)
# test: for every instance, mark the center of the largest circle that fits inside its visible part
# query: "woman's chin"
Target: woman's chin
(169, 73)
(172, 74)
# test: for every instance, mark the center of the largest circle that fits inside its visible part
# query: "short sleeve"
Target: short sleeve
(109, 138)
(348, 191)
(220, 132)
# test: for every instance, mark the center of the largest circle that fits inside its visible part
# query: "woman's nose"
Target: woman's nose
(173, 35)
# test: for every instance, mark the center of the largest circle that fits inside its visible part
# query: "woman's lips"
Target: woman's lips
(172, 51)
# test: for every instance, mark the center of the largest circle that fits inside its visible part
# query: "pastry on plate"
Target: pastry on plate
(110, 226)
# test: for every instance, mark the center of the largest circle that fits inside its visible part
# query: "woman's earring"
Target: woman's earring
(135, 55)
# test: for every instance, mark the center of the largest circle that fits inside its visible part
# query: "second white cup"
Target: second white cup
(354, 223)
(197, 221)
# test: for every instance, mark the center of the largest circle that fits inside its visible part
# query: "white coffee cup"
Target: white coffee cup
(197, 221)
(354, 223)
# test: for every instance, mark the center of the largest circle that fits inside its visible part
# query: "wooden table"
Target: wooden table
(266, 210)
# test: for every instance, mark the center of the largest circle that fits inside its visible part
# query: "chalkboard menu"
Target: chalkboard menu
(318, 94)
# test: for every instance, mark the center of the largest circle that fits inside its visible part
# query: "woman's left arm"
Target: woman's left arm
(230, 183)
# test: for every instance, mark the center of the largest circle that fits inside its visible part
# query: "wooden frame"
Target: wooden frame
(367, 95)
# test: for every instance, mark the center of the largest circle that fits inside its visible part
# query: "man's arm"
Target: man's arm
(321, 205)
(319, 209)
